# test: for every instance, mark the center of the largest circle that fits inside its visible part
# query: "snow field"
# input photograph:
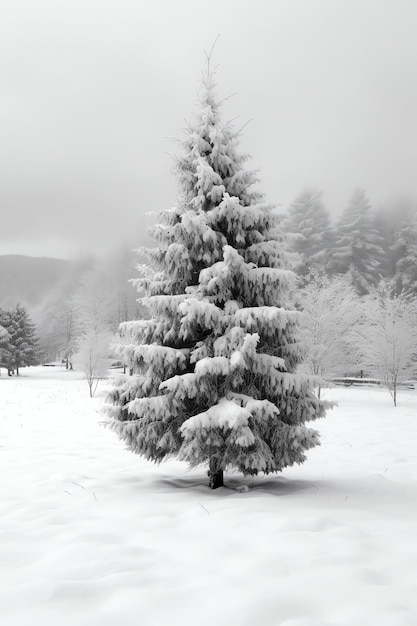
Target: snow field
(94, 535)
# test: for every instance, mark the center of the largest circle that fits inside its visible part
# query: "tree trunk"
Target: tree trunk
(215, 474)
(17, 371)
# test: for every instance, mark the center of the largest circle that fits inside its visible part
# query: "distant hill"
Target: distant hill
(28, 280)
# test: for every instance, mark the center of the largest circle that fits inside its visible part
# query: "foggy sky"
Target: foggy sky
(91, 91)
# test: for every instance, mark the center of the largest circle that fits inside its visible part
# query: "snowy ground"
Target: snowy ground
(93, 536)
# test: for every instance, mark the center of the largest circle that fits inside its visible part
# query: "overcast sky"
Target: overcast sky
(91, 91)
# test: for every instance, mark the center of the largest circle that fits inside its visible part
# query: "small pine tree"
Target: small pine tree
(214, 368)
(309, 232)
(23, 345)
(357, 247)
(4, 343)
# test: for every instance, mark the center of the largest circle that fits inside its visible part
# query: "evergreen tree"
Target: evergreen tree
(404, 253)
(309, 232)
(392, 221)
(214, 378)
(4, 341)
(357, 246)
(22, 348)
(6, 348)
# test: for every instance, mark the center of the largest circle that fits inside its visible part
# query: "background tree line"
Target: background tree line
(364, 245)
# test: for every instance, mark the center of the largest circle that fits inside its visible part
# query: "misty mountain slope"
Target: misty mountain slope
(28, 280)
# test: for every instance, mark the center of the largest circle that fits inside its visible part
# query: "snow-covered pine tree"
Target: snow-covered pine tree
(357, 247)
(4, 342)
(23, 344)
(404, 254)
(214, 369)
(392, 220)
(309, 232)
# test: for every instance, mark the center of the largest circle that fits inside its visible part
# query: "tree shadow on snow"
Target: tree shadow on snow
(371, 491)
(236, 484)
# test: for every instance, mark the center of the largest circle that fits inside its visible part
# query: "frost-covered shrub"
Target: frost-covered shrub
(385, 340)
(331, 312)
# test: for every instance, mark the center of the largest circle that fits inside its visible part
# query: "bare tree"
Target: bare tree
(93, 344)
(93, 355)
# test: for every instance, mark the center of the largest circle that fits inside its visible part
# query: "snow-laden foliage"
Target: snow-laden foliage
(309, 231)
(357, 247)
(214, 368)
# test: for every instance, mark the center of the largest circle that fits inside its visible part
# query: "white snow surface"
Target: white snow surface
(92, 535)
